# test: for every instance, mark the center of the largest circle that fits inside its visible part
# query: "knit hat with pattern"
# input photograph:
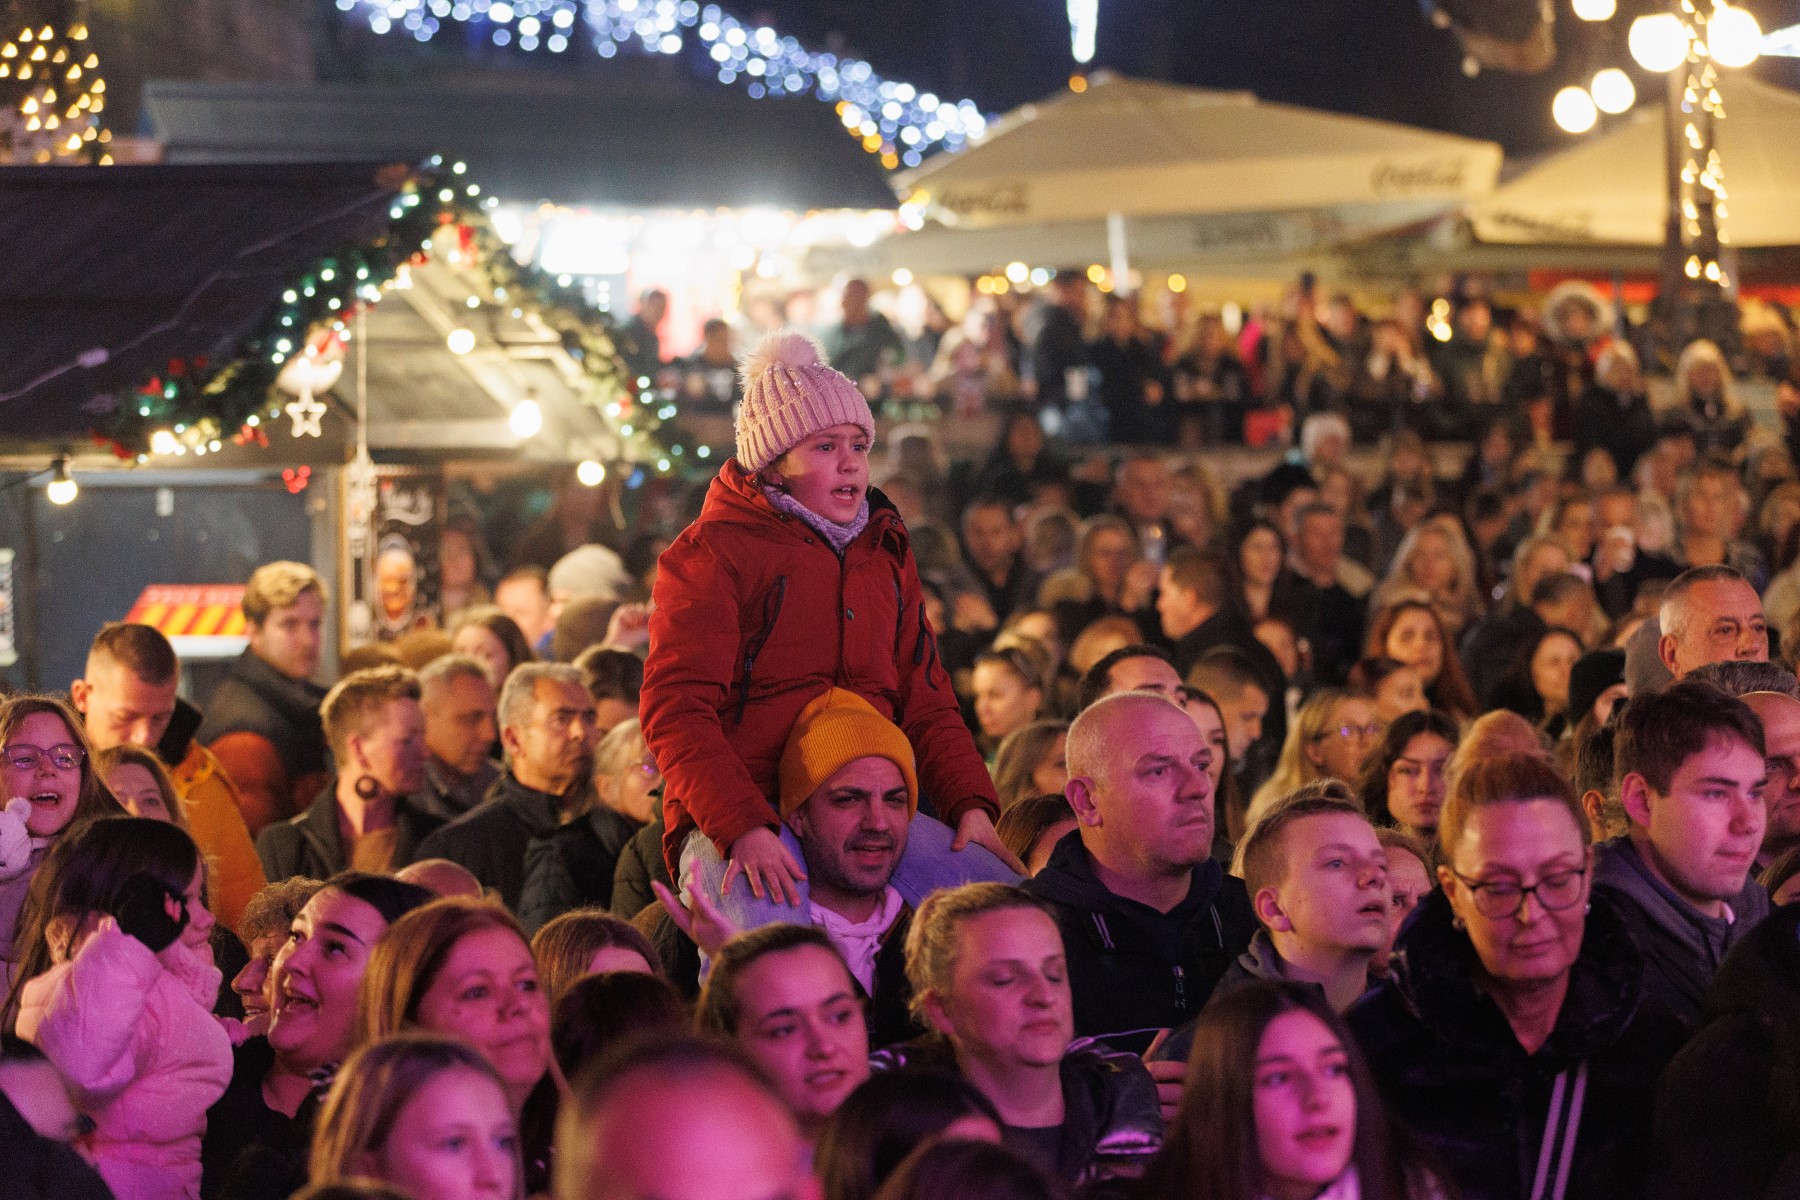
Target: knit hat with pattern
(789, 395)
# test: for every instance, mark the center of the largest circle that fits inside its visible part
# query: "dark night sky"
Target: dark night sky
(1380, 58)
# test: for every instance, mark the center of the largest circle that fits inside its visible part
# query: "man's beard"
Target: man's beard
(829, 865)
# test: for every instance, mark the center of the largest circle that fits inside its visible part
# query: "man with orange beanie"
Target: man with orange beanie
(849, 795)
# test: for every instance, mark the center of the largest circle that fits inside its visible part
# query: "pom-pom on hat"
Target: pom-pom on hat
(834, 730)
(789, 395)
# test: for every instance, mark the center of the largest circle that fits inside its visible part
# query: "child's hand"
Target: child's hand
(767, 865)
(975, 827)
(703, 922)
(629, 627)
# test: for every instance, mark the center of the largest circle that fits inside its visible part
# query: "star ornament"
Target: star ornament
(307, 414)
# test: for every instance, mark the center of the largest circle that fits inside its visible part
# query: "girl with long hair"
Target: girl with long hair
(463, 968)
(117, 985)
(1411, 632)
(45, 758)
(1279, 1103)
(425, 1114)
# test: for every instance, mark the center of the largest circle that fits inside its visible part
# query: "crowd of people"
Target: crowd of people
(1161, 368)
(1129, 836)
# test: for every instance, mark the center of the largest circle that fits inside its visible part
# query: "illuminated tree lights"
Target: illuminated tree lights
(894, 120)
(193, 405)
(51, 97)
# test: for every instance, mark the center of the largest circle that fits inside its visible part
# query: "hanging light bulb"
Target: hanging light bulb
(1613, 91)
(526, 419)
(1574, 110)
(1733, 36)
(62, 489)
(460, 341)
(1658, 42)
(590, 474)
(1596, 10)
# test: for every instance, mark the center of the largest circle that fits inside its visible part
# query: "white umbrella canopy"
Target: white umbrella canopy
(1138, 149)
(1612, 188)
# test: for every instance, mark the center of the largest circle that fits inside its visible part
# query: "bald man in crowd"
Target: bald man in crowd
(1149, 920)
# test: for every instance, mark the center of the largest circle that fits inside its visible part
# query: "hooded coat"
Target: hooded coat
(1135, 971)
(1682, 946)
(1728, 1115)
(755, 614)
(133, 1034)
(1571, 1119)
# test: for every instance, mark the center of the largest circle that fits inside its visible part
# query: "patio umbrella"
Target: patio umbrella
(1126, 148)
(1611, 188)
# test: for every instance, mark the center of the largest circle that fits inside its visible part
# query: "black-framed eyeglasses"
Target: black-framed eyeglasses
(1502, 898)
(22, 756)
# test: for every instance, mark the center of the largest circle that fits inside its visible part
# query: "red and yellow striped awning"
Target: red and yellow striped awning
(191, 610)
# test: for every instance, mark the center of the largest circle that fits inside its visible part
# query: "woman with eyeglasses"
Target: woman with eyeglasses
(1514, 1032)
(45, 761)
(1329, 739)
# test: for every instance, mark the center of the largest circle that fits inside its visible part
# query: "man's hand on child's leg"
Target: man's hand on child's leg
(769, 868)
(976, 828)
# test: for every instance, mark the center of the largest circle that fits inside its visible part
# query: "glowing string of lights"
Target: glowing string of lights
(890, 118)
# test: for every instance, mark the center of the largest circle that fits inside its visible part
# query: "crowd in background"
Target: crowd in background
(1029, 827)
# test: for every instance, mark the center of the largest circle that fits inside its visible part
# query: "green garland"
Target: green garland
(194, 404)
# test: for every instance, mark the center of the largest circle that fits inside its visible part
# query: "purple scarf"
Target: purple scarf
(838, 535)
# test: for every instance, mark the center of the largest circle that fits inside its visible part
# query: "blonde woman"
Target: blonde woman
(1434, 560)
(426, 1114)
(1330, 737)
(1704, 391)
(989, 978)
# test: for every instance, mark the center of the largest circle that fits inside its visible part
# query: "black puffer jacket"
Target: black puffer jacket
(573, 866)
(1728, 1115)
(256, 698)
(1451, 1068)
(640, 864)
(1133, 970)
(1112, 1124)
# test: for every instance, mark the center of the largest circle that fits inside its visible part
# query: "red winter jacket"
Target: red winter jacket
(754, 616)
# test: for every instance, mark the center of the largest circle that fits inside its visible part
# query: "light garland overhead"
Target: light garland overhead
(51, 97)
(892, 119)
(194, 406)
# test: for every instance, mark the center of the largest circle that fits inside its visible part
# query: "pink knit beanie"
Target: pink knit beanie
(789, 395)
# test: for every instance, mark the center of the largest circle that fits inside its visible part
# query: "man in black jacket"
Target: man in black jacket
(1726, 1120)
(364, 818)
(1199, 615)
(1149, 921)
(547, 725)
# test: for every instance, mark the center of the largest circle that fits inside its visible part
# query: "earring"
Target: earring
(1458, 923)
(367, 788)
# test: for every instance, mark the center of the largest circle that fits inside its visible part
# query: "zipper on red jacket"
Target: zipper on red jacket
(771, 614)
(1180, 989)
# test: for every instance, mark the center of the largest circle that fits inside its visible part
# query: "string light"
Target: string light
(62, 489)
(55, 91)
(891, 119)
